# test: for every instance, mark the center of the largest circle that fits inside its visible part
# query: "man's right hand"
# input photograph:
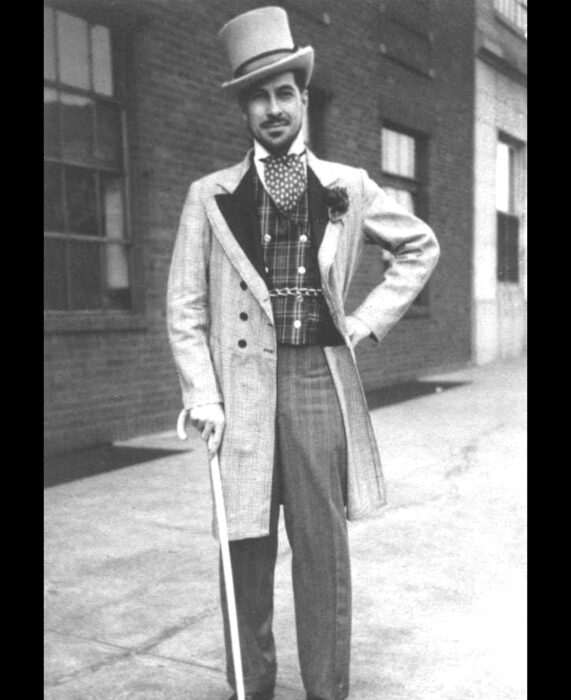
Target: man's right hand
(210, 421)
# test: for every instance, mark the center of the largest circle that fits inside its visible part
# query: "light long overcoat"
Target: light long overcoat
(215, 275)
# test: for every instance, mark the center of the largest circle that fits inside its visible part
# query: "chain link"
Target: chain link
(295, 292)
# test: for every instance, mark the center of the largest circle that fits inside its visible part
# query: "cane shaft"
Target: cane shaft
(227, 572)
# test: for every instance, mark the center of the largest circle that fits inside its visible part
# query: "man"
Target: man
(262, 263)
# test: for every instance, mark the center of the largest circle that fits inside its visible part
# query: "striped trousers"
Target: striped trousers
(310, 482)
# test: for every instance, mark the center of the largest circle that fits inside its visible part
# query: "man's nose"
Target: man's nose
(273, 107)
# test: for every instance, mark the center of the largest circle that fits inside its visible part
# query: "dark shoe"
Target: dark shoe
(266, 694)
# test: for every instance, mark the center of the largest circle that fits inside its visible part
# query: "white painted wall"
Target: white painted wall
(499, 309)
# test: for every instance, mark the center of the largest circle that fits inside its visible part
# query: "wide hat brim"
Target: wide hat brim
(302, 59)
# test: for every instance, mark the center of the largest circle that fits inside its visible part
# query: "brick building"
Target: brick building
(134, 113)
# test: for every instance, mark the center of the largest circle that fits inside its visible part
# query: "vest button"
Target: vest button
(267, 238)
(303, 238)
(243, 285)
(244, 316)
(301, 270)
(242, 343)
(297, 323)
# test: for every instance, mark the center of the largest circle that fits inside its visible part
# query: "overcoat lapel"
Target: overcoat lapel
(240, 213)
(317, 207)
(234, 223)
(322, 175)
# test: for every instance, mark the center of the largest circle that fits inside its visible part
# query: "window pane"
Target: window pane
(51, 135)
(81, 200)
(403, 197)
(112, 188)
(503, 178)
(73, 50)
(53, 200)
(49, 47)
(507, 248)
(407, 156)
(77, 126)
(102, 65)
(85, 275)
(55, 294)
(390, 151)
(117, 292)
(109, 141)
(398, 153)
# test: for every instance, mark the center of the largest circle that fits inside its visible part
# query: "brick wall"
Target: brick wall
(106, 385)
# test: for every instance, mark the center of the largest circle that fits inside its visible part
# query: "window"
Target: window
(515, 12)
(402, 165)
(507, 219)
(406, 34)
(87, 249)
(314, 123)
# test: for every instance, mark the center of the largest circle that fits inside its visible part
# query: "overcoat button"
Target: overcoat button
(243, 285)
(242, 343)
(244, 316)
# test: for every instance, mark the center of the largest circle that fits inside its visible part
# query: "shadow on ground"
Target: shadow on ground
(77, 464)
(405, 391)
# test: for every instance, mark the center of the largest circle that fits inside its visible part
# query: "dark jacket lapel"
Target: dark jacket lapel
(318, 213)
(239, 210)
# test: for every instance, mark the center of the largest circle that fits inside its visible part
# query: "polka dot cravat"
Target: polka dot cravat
(285, 179)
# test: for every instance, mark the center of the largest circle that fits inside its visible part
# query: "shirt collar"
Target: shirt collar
(298, 146)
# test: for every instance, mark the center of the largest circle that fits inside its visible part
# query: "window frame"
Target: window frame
(417, 186)
(100, 318)
(506, 17)
(508, 223)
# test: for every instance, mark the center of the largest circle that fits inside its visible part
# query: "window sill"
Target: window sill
(85, 322)
(508, 24)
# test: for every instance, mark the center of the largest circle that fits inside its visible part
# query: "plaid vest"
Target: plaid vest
(292, 274)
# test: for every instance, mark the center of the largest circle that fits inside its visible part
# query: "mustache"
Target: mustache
(274, 122)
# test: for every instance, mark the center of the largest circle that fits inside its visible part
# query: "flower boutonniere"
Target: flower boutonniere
(337, 201)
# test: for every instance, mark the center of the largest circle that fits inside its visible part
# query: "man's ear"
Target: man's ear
(305, 97)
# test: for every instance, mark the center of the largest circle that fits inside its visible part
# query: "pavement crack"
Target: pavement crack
(175, 629)
(90, 669)
(126, 652)
(465, 460)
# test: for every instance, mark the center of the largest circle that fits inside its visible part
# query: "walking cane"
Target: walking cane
(226, 563)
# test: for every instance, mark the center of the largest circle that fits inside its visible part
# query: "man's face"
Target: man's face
(274, 111)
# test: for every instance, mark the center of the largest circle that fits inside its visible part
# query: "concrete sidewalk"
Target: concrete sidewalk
(132, 605)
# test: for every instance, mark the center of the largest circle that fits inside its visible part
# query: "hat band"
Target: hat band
(242, 68)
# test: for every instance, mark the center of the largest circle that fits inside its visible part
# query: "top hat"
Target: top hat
(259, 45)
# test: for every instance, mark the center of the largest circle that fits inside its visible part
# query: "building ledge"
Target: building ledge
(86, 322)
(487, 54)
